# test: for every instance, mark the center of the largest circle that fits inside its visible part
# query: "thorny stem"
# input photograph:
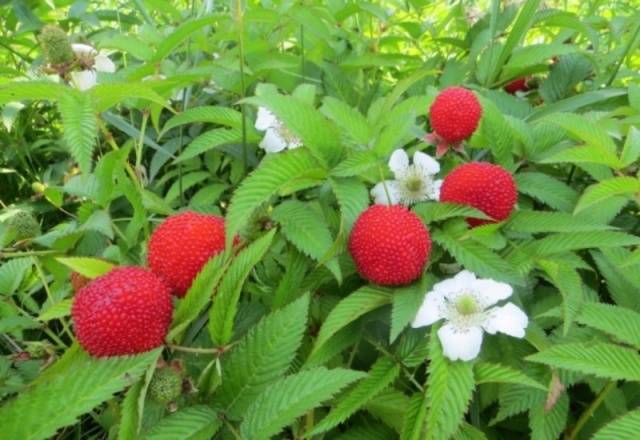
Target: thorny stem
(588, 413)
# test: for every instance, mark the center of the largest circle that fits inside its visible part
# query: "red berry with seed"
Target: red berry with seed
(484, 186)
(182, 244)
(390, 245)
(455, 114)
(125, 311)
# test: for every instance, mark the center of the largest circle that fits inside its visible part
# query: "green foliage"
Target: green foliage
(279, 335)
(262, 356)
(85, 384)
(292, 397)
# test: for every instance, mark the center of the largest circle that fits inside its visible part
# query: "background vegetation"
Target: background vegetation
(294, 344)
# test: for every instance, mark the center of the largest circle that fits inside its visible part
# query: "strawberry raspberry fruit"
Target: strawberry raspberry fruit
(125, 311)
(390, 245)
(182, 244)
(166, 384)
(517, 85)
(487, 187)
(454, 115)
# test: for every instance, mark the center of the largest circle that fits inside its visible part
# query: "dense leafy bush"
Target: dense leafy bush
(507, 301)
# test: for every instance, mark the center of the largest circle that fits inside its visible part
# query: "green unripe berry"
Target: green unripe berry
(166, 385)
(23, 225)
(55, 45)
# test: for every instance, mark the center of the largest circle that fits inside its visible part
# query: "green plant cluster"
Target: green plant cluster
(283, 338)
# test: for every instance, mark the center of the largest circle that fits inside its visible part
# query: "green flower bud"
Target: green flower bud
(23, 225)
(166, 385)
(55, 45)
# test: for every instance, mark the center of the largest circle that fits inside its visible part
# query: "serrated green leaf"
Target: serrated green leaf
(284, 401)
(406, 302)
(568, 281)
(316, 132)
(477, 258)
(275, 171)
(348, 119)
(88, 267)
(604, 190)
(349, 309)
(80, 127)
(83, 385)
(262, 356)
(547, 190)
(619, 322)
(448, 392)
(381, 374)
(549, 425)
(489, 372)
(193, 423)
(210, 140)
(598, 359)
(212, 114)
(438, 211)
(573, 241)
(199, 294)
(548, 221)
(31, 90)
(225, 303)
(622, 428)
(352, 196)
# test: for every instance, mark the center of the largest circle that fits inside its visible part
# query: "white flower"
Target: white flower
(413, 183)
(463, 301)
(277, 137)
(91, 62)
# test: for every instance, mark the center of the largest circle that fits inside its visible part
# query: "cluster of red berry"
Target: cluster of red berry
(129, 309)
(390, 245)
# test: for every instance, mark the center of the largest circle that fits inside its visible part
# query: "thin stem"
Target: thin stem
(29, 254)
(384, 184)
(140, 146)
(231, 429)
(624, 55)
(588, 413)
(240, 24)
(302, 52)
(198, 350)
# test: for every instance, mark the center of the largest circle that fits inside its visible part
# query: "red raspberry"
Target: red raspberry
(487, 187)
(517, 85)
(126, 311)
(390, 245)
(182, 244)
(454, 115)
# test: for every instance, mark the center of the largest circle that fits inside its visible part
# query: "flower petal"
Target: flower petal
(84, 80)
(426, 162)
(83, 50)
(104, 64)
(435, 189)
(294, 143)
(431, 310)
(265, 119)
(272, 142)
(491, 291)
(380, 195)
(463, 344)
(398, 162)
(462, 281)
(508, 319)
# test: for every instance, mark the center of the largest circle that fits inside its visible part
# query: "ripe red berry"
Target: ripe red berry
(487, 187)
(125, 311)
(390, 245)
(454, 116)
(182, 244)
(517, 85)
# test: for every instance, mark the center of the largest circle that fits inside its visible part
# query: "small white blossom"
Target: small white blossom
(277, 137)
(413, 182)
(464, 302)
(92, 62)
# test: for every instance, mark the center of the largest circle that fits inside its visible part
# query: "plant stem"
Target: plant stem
(198, 350)
(28, 254)
(588, 413)
(624, 55)
(384, 184)
(240, 24)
